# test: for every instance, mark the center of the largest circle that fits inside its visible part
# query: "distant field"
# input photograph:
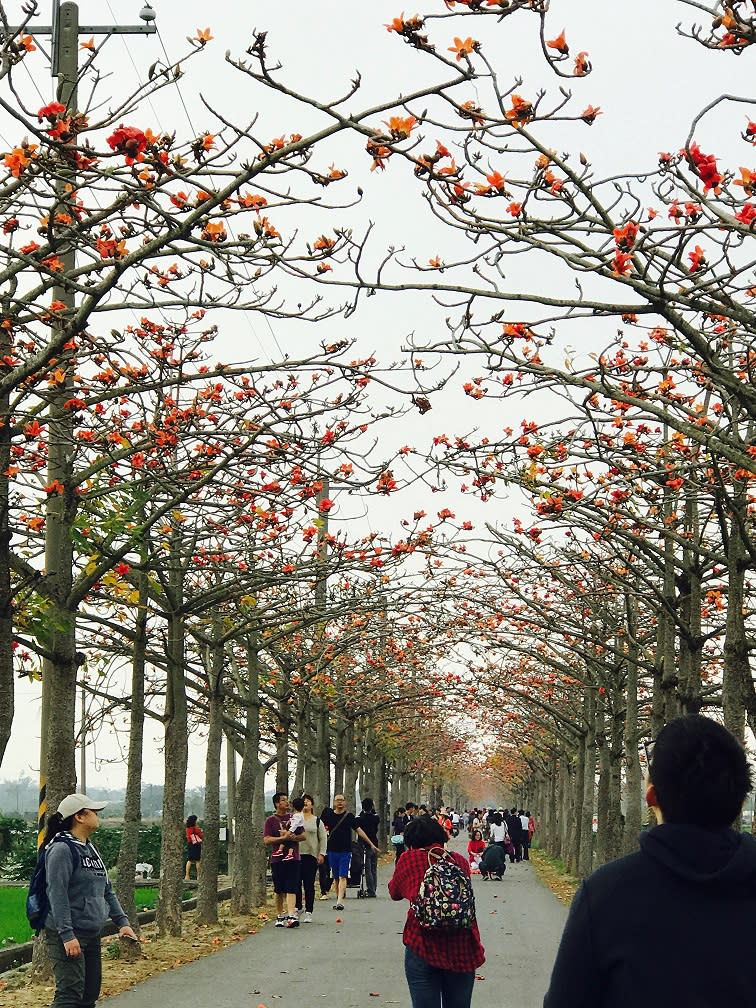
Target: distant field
(14, 928)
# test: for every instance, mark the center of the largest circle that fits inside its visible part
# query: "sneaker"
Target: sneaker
(324, 896)
(338, 906)
(306, 917)
(281, 921)
(292, 922)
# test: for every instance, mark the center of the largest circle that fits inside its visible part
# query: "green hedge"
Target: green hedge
(18, 848)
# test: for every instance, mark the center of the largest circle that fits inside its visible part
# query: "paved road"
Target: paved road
(520, 923)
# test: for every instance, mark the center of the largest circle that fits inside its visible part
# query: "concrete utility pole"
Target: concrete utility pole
(65, 31)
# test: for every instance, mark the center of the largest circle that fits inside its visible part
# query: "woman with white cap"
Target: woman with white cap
(81, 900)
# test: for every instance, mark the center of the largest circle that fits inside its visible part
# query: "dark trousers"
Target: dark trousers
(77, 981)
(324, 877)
(371, 869)
(431, 987)
(309, 871)
(525, 847)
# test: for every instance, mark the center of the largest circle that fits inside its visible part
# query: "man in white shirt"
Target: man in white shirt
(525, 834)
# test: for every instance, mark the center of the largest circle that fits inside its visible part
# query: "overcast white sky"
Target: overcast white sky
(648, 82)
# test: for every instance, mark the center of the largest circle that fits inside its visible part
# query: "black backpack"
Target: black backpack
(37, 903)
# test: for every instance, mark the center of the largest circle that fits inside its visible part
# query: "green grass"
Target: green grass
(14, 928)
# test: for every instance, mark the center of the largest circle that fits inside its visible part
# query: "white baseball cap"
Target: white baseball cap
(74, 803)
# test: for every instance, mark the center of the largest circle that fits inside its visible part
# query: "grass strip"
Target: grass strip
(552, 872)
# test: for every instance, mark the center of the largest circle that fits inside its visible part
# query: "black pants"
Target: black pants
(525, 846)
(518, 848)
(309, 871)
(324, 877)
(77, 981)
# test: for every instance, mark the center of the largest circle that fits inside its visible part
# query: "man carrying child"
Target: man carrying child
(283, 832)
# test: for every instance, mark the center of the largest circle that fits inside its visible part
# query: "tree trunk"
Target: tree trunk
(207, 895)
(172, 846)
(7, 684)
(736, 671)
(633, 776)
(350, 764)
(132, 805)
(585, 816)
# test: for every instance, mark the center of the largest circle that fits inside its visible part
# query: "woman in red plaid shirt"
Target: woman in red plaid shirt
(439, 964)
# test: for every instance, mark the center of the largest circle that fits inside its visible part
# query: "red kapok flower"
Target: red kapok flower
(129, 141)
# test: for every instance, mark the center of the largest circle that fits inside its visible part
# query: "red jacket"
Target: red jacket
(457, 950)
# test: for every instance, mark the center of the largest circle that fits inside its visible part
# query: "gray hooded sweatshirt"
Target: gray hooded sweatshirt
(80, 894)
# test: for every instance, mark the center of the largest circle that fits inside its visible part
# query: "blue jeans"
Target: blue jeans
(431, 987)
(371, 868)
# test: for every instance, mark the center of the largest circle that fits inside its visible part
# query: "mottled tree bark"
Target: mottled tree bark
(132, 806)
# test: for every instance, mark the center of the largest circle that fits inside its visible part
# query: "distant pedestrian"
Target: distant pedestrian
(81, 901)
(369, 821)
(194, 838)
(525, 833)
(341, 824)
(531, 828)
(514, 826)
(398, 824)
(475, 847)
(286, 872)
(439, 963)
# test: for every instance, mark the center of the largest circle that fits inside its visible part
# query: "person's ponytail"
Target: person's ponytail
(56, 824)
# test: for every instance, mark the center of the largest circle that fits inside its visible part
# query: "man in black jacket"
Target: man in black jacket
(676, 920)
(514, 828)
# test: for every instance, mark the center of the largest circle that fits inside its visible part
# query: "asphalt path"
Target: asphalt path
(353, 958)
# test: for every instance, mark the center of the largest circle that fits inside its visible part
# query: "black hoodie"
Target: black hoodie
(673, 924)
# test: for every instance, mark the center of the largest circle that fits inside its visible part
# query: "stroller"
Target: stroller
(357, 870)
(493, 863)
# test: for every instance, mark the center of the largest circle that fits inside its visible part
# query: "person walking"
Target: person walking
(514, 827)
(81, 901)
(369, 822)
(524, 833)
(398, 823)
(677, 918)
(286, 871)
(439, 963)
(340, 824)
(312, 852)
(194, 838)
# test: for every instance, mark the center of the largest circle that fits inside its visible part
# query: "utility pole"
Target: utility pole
(65, 31)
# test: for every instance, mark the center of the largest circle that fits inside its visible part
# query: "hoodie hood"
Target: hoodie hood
(719, 856)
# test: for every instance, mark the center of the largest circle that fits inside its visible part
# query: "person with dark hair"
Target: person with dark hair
(475, 847)
(439, 963)
(194, 838)
(677, 917)
(81, 901)
(514, 828)
(524, 833)
(369, 822)
(340, 824)
(398, 823)
(312, 852)
(286, 872)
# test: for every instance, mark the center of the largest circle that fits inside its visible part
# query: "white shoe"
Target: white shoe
(306, 917)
